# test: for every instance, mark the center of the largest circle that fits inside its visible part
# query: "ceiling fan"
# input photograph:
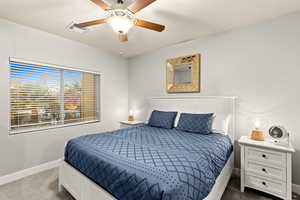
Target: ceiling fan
(122, 18)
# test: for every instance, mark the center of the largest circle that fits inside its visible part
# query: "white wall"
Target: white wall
(27, 150)
(259, 63)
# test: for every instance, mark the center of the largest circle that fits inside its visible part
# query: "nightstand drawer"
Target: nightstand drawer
(266, 171)
(267, 157)
(266, 185)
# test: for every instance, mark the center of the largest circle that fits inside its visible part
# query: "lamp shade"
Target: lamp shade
(120, 24)
(121, 20)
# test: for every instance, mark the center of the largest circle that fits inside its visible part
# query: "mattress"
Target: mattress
(148, 163)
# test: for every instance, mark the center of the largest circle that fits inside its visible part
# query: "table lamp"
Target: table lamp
(257, 133)
(130, 116)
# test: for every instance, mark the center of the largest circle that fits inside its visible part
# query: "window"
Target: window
(43, 96)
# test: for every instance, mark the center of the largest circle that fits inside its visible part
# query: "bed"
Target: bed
(150, 163)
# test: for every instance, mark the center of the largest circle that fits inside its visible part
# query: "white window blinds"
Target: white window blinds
(43, 96)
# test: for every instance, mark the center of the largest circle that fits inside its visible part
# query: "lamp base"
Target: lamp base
(130, 118)
(258, 135)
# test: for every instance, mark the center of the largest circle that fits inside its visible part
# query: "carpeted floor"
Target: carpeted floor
(43, 186)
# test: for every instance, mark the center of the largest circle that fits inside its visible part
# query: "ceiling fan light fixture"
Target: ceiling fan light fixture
(121, 20)
(120, 24)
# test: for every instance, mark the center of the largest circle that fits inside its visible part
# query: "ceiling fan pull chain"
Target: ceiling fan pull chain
(121, 48)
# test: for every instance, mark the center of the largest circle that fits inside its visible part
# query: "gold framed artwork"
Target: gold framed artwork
(183, 74)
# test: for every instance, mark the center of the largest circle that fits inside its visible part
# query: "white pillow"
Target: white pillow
(221, 125)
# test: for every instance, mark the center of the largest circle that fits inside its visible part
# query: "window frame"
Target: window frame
(59, 67)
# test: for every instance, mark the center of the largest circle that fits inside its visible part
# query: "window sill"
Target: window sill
(29, 130)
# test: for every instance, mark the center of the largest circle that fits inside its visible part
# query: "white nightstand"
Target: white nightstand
(128, 124)
(266, 167)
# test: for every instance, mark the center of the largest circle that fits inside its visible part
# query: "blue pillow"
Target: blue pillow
(196, 123)
(162, 119)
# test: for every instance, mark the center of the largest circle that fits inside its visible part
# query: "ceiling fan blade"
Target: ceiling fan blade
(91, 23)
(101, 4)
(149, 25)
(123, 37)
(139, 5)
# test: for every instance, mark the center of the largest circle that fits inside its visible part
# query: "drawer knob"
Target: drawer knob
(264, 170)
(264, 156)
(264, 183)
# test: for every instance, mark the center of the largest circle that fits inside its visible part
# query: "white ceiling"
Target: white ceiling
(184, 20)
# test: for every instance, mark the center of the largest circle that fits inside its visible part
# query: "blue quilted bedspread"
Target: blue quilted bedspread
(147, 163)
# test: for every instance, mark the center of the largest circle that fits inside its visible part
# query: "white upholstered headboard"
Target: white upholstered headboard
(223, 107)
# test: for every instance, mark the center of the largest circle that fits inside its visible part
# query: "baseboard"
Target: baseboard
(30, 171)
(296, 188)
(237, 173)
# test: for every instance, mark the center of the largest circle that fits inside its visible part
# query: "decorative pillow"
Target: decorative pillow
(196, 123)
(162, 119)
